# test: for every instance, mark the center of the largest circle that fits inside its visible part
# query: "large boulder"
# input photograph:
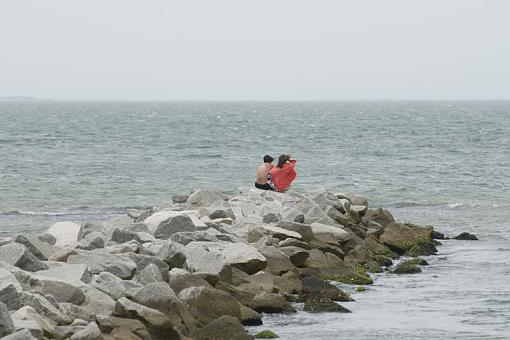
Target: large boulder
(23, 334)
(10, 289)
(152, 222)
(403, 238)
(102, 262)
(205, 198)
(315, 288)
(173, 254)
(18, 255)
(296, 255)
(122, 328)
(161, 297)
(316, 305)
(158, 324)
(142, 261)
(180, 279)
(303, 229)
(44, 307)
(277, 262)
(354, 199)
(223, 327)
(203, 255)
(6, 324)
(38, 248)
(330, 234)
(380, 216)
(173, 225)
(271, 303)
(93, 240)
(65, 232)
(207, 304)
(114, 286)
(185, 237)
(89, 332)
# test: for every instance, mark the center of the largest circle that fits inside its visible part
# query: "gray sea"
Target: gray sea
(445, 164)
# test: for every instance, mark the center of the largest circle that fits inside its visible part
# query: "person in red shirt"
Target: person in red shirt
(284, 173)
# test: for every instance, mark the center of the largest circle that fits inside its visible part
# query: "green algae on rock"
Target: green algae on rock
(266, 334)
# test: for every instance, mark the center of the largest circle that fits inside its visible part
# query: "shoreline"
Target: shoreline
(201, 265)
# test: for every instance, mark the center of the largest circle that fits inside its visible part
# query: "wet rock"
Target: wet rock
(65, 232)
(207, 304)
(102, 262)
(401, 237)
(6, 324)
(316, 288)
(465, 236)
(266, 334)
(158, 324)
(317, 305)
(173, 225)
(407, 267)
(223, 327)
(249, 317)
(436, 235)
(271, 303)
(18, 255)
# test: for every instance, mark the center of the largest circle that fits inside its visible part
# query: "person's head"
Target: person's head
(268, 159)
(282, 160)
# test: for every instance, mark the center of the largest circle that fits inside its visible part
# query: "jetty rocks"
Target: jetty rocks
(198, 267)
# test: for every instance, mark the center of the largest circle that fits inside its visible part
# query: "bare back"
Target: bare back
(263, 172)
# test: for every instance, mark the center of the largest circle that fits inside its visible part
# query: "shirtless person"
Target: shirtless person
(263, 174)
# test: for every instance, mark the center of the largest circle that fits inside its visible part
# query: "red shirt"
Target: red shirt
(283, 177)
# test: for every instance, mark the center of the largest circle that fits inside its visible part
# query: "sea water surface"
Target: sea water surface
(445, 164)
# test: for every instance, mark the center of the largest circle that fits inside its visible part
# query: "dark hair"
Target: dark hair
(268, 159)
(282, 160)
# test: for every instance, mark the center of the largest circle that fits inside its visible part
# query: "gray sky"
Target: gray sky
(235, 49)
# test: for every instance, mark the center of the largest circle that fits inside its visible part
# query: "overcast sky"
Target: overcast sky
(235, 49)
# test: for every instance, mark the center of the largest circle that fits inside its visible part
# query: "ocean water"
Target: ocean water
(445, 164)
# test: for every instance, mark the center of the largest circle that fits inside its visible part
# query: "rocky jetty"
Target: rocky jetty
(199, 266)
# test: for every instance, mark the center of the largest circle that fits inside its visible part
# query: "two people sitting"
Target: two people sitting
(277, 178)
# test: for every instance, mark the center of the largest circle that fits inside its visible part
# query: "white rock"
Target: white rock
(65, 232)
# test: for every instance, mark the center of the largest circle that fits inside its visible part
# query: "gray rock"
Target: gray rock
(123, 236)
(23, 334)
(62, 255)
(150, 274)
(38, 248)
(198, 236)
(205, 198)
(65, 232)
(42, 306)
(271, 303)
(354, 198)
(27, 313)
(100, 262)
(296, 255)
(143, 261)
(5, 240)
(173, 254)
(219, 214)
(270, 218)
(303, 229)
(6, 324)
(128, 247)
(91, 332)
(291, 242)
(97, 301)
(180, 198)
(114, 286)
(18, 255)
(75, 273)
(213, 256)
(161, 297)
(173, 225)
(59, 285)
(181, 279)
(121, 328)
(92, 240)
(157, 323)
(299, 218)
(65, 332)
(10, 289)
(76, 312)
(277, 262)
(89, 227)
(207, 304)
(224, 327)
(48, 238)
(330, 234)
